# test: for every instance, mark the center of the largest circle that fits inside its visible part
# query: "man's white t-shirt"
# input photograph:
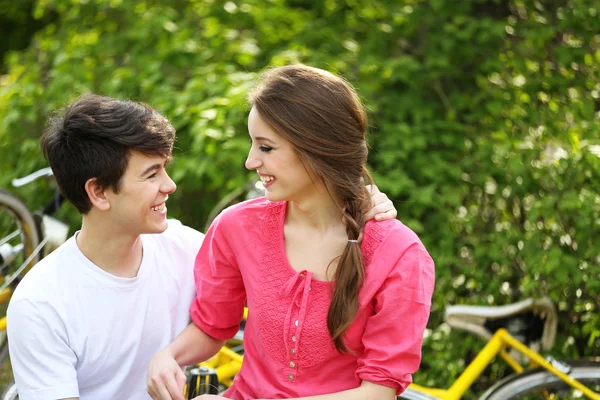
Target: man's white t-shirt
(77, 331)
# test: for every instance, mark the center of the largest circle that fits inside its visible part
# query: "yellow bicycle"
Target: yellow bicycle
(513, 331)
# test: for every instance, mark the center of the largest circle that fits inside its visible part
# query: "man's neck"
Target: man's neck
(118, 253)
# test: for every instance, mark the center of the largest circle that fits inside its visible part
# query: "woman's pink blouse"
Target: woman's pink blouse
(288, 350)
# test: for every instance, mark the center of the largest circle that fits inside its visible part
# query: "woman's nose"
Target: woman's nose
(252, 162)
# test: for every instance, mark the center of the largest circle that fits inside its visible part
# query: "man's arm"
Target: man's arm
(383, 208)
(166, 380)
(42, 361)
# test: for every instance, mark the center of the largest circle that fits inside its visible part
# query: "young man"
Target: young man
(86, 320)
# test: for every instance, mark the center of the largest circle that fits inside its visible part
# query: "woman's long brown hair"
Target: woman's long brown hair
(322, 116)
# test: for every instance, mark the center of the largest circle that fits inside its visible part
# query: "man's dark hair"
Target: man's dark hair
(93, 137)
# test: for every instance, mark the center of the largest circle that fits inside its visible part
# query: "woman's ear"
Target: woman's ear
(97, 195)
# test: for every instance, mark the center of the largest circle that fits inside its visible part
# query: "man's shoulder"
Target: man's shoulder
(45, 281)
(178, 233)
(177, 240)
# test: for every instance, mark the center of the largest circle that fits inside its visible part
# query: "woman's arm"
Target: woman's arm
(166, 380)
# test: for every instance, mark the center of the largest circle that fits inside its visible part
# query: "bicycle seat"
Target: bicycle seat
(529, 321)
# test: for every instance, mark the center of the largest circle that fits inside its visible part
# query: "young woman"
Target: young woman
(337, 306)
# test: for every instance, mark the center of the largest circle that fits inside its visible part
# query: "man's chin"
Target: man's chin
(157, 229)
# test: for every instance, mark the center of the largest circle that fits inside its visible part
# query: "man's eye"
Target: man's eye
(265, 149)
(152, 176)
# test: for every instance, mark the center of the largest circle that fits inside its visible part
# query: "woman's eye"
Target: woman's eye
(265, 149)
(152, 176)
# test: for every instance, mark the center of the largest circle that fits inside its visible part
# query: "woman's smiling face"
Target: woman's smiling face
(283, 174)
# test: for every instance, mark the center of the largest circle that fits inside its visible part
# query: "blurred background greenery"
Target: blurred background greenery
(484, 122)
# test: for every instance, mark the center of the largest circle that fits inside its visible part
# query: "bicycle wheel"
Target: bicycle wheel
(541, 384)
(18, 235)
(19, 239)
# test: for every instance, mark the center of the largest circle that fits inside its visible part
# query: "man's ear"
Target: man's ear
(97, 195)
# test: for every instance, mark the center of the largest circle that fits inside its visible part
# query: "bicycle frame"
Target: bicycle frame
(494, 347)
(4, 297)
(227, 363)
(6, 290)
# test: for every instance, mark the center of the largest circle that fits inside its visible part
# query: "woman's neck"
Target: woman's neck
(319, 212)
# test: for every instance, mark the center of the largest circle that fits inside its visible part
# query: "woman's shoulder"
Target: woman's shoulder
(391, 237)
(390, 248)
(390, 230)
(250, 211)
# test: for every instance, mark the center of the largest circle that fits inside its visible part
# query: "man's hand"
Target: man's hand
(166, 380)
(383, 208)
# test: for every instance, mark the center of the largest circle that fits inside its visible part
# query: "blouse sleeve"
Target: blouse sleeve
(394, 333)
(219, 304)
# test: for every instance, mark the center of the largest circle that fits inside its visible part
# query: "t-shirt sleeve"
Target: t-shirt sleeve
(42, 361)
(220, 295)
(394, 333)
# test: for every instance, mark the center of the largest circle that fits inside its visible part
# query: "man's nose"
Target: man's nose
(169, 185)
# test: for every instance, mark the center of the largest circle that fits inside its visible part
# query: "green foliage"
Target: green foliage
(484, 122)
(17, 25)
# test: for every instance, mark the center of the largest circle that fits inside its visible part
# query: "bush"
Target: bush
(484, 119)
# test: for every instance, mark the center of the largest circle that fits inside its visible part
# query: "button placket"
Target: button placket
(296, 326)
(292, 316)
(290, 370)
